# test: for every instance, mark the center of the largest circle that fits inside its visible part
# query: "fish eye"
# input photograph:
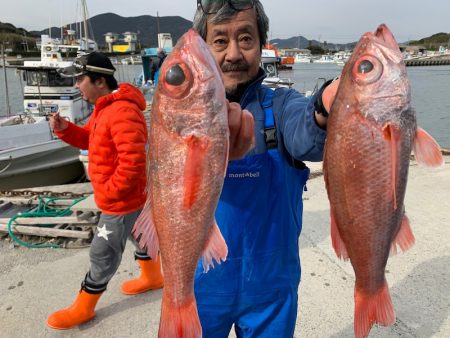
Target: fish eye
(365, 67)
(175, 75)
(176, 78)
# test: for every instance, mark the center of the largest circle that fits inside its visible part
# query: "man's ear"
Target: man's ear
(101, 82)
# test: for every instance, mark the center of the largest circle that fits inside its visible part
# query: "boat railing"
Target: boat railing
(2, 159)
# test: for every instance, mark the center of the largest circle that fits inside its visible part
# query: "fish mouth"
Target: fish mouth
(384, 34)
(200, 49)
(384, 39)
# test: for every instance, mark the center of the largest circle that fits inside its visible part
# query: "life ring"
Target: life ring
(270, 69)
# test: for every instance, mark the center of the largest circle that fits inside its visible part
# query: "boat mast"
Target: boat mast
(86, 35)
(8, 108)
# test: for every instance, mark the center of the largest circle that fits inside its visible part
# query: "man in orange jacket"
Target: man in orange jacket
(116, 137)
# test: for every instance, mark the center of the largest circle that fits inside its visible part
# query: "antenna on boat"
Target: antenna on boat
(8, 108)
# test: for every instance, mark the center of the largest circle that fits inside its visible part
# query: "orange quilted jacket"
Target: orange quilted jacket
(116, 138)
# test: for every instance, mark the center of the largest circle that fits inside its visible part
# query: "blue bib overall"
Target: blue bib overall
(260, 217)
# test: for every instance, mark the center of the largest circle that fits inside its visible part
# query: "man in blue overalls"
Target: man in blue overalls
(260, 209)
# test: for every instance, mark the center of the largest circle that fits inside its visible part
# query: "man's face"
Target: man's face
(236, 47)
(90, 91)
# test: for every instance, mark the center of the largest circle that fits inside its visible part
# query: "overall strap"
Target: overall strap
(270, 131)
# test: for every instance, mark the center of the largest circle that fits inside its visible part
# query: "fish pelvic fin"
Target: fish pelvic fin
(426, 150)
(371, 309)
(215, 248)
(179, 321)
(404, 239)
(194, 168)
(338, 244)
(144, 231)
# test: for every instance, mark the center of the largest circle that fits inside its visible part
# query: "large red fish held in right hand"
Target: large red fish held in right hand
(187, 162)
(371, 133)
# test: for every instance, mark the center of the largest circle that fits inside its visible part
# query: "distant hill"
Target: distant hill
(16, 38)
(147, 28)
(433, 42)
(302, 43)
(145, 25)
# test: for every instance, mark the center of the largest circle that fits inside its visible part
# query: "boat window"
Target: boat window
(37, 78)
(47, 78)
(56, 80)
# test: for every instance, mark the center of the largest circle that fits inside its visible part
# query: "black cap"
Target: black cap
(94, 62)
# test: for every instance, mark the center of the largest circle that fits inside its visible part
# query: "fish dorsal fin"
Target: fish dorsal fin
(215, 248)
(427, 150)
(144, 231)
(338, 244)
(404, 238)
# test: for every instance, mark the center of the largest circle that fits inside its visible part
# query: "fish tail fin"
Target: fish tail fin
(179, 321)
(144, 231)
(374, 308)
(338, 244)
(404, 238)
(427, 150)
(215, 248)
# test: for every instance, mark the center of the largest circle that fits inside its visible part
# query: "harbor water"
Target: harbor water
(429, 91)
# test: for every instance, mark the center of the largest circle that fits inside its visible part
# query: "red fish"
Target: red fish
(371, 132)
(187, 160)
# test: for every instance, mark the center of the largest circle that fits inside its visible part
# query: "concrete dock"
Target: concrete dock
(438, 60)
(36, 282)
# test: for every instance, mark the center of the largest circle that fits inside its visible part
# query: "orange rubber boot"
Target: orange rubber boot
(81, 311)
(149, 279)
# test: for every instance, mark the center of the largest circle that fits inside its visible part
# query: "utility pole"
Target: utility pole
(157, 21)
(25, 42)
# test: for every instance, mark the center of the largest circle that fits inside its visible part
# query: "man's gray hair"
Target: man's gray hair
(226, 13)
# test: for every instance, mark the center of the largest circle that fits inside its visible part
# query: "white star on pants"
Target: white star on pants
(102, 232)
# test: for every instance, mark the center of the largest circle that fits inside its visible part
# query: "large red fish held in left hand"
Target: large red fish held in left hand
(371, 132)
(187, 161)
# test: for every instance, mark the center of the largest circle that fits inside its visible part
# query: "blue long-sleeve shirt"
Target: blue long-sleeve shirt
(298, 134)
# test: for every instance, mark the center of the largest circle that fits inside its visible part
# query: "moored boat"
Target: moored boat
(30, 155)
(270, 63)
(302, 58)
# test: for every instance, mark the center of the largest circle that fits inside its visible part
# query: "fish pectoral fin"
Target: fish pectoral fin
(372, 308)
(215, 248)
(336, 239)
(392, 135)
(144, 231)
(426, 150)
(194, 168)
(404, 238)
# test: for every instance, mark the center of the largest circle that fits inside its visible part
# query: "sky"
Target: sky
(334, 21)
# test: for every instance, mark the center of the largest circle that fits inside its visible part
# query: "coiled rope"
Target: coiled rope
(44, 209)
